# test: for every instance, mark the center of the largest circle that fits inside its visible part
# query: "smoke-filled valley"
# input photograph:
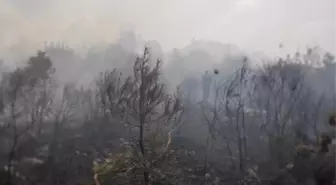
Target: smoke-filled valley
(128, 110)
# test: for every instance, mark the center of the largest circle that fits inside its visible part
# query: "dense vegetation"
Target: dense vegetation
(271, 124)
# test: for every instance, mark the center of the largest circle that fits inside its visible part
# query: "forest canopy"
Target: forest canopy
(117, 116)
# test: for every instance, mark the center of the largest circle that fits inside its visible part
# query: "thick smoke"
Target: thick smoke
(251, 24)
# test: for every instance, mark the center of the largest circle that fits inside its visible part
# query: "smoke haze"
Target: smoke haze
(253, 25)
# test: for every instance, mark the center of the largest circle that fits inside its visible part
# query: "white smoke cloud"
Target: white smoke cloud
(251, 24)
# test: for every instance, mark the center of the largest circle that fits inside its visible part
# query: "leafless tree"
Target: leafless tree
(282, 83)
(235, 98)
(212, 115)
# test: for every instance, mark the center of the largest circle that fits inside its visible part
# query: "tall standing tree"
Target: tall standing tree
(149, 106)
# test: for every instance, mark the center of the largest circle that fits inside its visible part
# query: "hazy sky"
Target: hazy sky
(251, 24)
